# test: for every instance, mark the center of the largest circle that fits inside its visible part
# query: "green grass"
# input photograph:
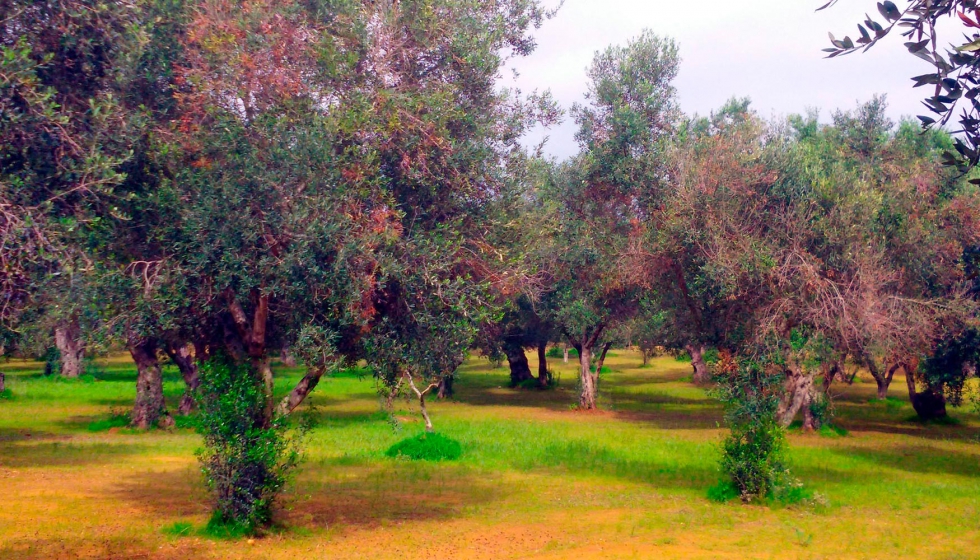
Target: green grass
(829, 430)
(179, 529)
(637, 480)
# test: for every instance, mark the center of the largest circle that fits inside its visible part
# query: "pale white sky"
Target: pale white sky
(768, 50)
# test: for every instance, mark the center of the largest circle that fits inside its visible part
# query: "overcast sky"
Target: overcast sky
(767, 50)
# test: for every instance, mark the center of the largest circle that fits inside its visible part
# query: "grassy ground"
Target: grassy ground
(536, 479)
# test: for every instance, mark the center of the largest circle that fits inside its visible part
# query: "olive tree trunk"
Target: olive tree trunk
(67, 339)
(149, 408)
(701, 375)
(882, 379)
(588, 397)
(519, 369)
(542, 364)
(180, 354)
(446, 387)
(929, 404)
(797, 394)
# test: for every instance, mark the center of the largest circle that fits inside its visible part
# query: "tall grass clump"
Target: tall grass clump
(752, 454)
(246, 456)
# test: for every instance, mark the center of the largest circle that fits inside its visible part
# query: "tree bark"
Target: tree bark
(264, 368)
(928, 404)
(830, 373)
(565, 351)
(149, 408)
(543, 365)
(287, 358)
(251, 336)
(882, 379)
(180, 354)
(421, 396)
(519, 369)
(445, 387)
(588, 397)
(66, 339)
(701, 375)
(798, 393)
(3, 382)
(300, 392)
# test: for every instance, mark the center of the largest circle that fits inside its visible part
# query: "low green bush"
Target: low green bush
(752, 454)
(427, 447)
(724, 491)
(711, 356)
(246, 459)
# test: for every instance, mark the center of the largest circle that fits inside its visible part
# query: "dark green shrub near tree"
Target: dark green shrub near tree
(752, 454)
(245, 461)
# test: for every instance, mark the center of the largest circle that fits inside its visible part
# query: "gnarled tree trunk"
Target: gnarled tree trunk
(445, 387)
(149, 408)
(520, 370)
(797, 394)
(542, 364)
(701, 375)
(882, 379)
(301, 391)
(180, 354)
(590, 391)
(928, 404)
(287, 358)
(67, 340)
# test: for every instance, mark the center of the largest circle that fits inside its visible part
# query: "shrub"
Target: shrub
(753, 451)
(427, 447)
(246, 458)
(710, 356)
(555, 352)
(724, 491)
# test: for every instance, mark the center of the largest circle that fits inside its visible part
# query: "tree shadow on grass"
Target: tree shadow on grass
(864, 418)
(392, 491)
(924, 459)
(679, 418)
(28, 454)
(166, 494)
(331, 493)
(588, 458)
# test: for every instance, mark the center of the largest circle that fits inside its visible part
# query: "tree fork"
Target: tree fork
(421, 397)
